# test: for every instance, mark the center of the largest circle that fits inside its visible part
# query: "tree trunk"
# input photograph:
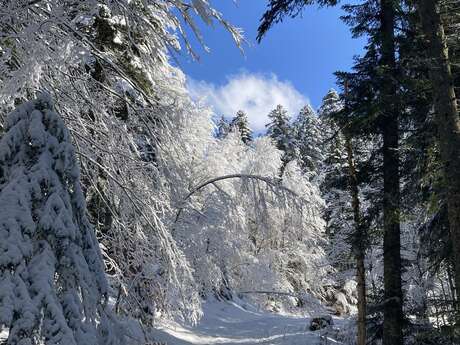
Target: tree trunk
(393, 316)
(358, 244)
(448, 123)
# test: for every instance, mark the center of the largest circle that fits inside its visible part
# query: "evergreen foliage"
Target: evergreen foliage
(356, 204)
(223, 128)
(240, 124)
(280, 130)
(308, 140)
(53, 286)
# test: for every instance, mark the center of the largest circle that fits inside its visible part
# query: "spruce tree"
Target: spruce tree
(330, 104)
(308, 140)
(382, 44)
(447, 120)
(334, 182)
(392, 91)
(240, 124)
(223, 128)
(53, 289)
(393, 313)
(280, 130)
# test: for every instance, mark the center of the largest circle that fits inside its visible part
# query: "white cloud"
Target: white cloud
(256, 94)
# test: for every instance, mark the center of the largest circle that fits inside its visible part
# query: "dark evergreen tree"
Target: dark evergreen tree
(447, 120)
(377, 20)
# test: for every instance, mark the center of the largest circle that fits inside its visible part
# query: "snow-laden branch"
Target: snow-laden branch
(282, 293)
(271, 182)
(274, 183)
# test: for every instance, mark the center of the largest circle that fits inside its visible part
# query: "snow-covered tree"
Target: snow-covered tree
(335, 185)
(240, 124)
(53, 288)
(223, 128)
(106, 66)
(331, 103)
(308, 140)
(279, 129)
(230, 205)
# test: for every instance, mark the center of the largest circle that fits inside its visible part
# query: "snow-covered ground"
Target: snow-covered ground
(237, 323)
(229, 323)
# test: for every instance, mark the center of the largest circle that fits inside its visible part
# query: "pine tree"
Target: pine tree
(279, 129)
(308, 140)
(447, 120)
(393, 313)
(382, 44)
(240, 123)
(223, 128)
(53, 287)
(333, 184)
(331, 104)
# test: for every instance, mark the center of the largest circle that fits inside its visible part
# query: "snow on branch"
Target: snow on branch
(273, 183)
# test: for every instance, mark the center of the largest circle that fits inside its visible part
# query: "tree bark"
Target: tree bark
(448, 123)
(358, 243)
(393, 316)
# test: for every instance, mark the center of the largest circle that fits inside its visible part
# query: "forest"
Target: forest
(134, 213)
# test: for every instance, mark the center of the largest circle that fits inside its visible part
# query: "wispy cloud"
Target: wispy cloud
(256, 94)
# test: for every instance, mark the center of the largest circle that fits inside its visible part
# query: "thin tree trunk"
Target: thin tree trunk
(451, 284)
(358, 244)
(446, 299)
(393, 316)
(448, 123)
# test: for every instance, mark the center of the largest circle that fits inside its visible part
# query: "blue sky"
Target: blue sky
(294, 63)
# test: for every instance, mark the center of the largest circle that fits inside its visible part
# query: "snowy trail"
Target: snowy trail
(229, 323)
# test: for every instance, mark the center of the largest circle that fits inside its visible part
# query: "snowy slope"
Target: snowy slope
(230, 323)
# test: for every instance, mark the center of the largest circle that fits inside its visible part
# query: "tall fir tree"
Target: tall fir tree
(308, 140)
(447, 120)
(378, 20)
(223, 128)
(389, 126)
(333, 184)
(330, 104)
(280, 130)
(240, 124)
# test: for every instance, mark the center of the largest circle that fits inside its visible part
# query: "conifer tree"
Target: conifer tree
(342, 190)
(447, 120)
(279, 129)
(393, 313)
(223, 128)
(382, 44)
(240, 124)
(53, 286)
(333, 184)
(331, 103)
(308, 140)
